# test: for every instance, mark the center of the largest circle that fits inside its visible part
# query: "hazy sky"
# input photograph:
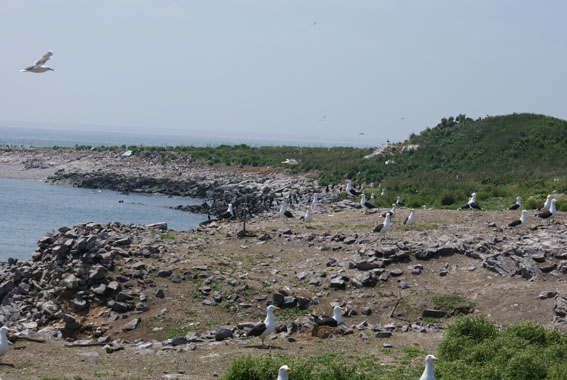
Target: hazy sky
(280, 67)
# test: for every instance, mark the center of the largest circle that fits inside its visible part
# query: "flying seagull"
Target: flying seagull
(38, 66)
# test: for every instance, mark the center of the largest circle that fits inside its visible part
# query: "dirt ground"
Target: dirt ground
(262, 268)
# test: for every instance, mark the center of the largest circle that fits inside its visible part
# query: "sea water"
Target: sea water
(29, 209)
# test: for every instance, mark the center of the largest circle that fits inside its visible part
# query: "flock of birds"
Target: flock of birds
(266, 328)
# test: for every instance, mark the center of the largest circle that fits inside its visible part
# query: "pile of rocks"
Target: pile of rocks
(70, 272)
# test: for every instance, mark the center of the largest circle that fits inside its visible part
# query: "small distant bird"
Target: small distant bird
(425, 207)
(549, 213)
(384, 227)
(285, 213)
(520, 222)
(372, 197)
(516, 205)
(428, 372)
(3, 341)
(411, 218)
(472, 203)
(324, 320)
(399, 202)
(283, 373)
(361, 134)
(308, 217)
(228, 213)
(350, 190)
(38, 66)
(264, 329)
(365, 204)
(382, 193)
(546, 205)
(392, 212)
(315, 200)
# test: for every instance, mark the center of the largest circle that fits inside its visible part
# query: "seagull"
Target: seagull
(365, 204)
(38, 66)
(372, 197)
(520, 222)
(228, 213)
(328, 321)
(286, 213)
(3, 341)
(399, 202)
(315, 200)
(384, 227)
(549, 213)
(392, 212)
(516, 205)
(350, 190)
(382, 193)
(428, 372)
(472, 203)
(546, 204)
(283, 373)
(411, 218)
(307, 218)
(263, 329)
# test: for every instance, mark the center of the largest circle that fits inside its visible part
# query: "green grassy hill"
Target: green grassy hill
(498, 157)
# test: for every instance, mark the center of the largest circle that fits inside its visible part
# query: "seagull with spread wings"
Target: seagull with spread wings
(38, 66)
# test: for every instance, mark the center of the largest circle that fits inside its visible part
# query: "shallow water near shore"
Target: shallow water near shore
(29, 209)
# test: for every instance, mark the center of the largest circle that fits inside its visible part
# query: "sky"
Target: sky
(308, 69)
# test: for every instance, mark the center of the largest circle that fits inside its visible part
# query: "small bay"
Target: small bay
(29, 209)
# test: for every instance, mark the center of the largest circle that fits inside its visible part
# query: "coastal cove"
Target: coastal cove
(30, 208)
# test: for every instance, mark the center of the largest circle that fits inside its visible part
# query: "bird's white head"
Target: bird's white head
(230, 208)
(398, 199)
(412, 211)
(283, 372)
(473, 197)
(429, 359)
(270, 309)
(3, 331)
(387, 219)
(518, 199)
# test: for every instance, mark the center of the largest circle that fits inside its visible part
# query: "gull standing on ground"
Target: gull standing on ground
(411, 218)
(264, 329)
(284, 212)
(472, 203)
(520, 222)
(546, 205)
(3, 341)
(365, 204)
(549, 213)
(516, 205)
(384, 227)
(308, 217)
(392, 212)
(38, 66)
(228, 213)
(350, 190)
(323, 320)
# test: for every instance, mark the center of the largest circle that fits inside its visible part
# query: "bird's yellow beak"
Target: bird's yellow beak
(277, 308)
(434, 358)
(288, 370)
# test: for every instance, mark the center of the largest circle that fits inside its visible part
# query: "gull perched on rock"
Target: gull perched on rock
(520, 222)
(324, 320)
(38, 66)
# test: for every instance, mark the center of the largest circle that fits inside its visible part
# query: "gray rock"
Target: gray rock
(131, 325)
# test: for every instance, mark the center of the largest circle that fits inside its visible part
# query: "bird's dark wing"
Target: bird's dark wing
(466, 206)
(515, 223)
(325, 321)
(405, 221)
(515, 206)
(288, 214)
(378, 228)
(44, 59)
(257, 330)
(544, 215)
(369, 205)
(475, 205)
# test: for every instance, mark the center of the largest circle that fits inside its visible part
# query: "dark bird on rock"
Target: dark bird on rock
(549, 213)
(228, 213)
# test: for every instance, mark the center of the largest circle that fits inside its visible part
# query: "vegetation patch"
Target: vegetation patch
(453, 304)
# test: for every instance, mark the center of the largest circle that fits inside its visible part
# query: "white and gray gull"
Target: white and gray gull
(3, 341)
(38, 66)
(519, 222)
(264, 329)
(324, 320)
(283, 373)
(411, 218)
(516, 205)
(384, 227)
(428, 373)
(472, 203)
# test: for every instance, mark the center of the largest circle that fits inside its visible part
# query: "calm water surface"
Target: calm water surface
(29, 209)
